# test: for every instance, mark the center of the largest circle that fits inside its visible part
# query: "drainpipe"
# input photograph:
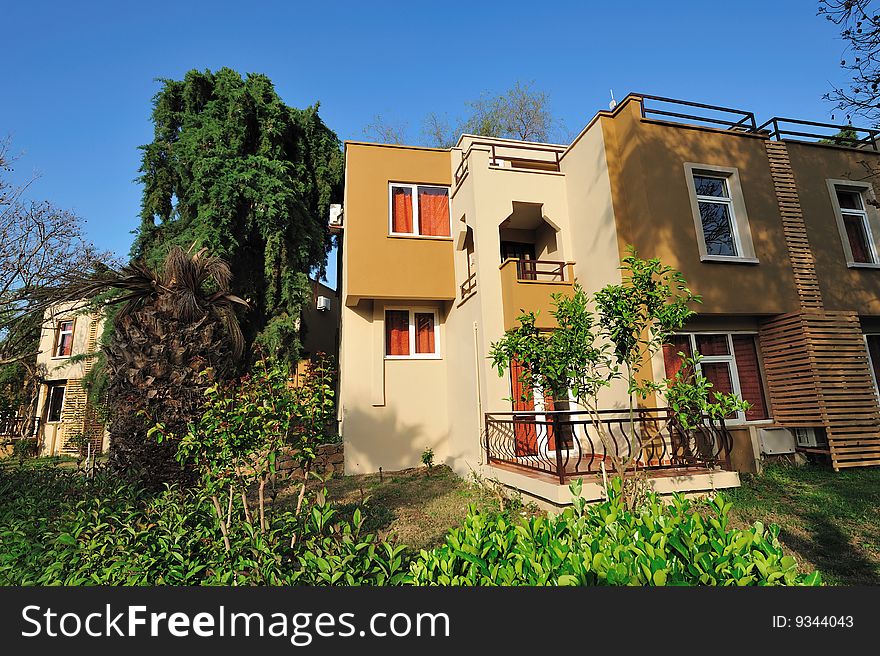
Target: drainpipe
(479, 394)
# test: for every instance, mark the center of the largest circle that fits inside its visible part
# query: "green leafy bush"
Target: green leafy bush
(607, 544)
(59, 528)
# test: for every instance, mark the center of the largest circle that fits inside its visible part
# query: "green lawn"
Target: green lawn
(413, 506)
(830, 521)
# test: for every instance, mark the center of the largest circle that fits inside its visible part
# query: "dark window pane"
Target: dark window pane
(750, 384)
(849, 200)
(717, 229)
(56, 403)
(718, 373)
(712, 345)
(858, 238)
(671, 358)
(711, 186)
(874, 352)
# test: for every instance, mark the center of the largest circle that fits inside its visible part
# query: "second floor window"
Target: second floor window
(64, 339)
(716, 215)
(419, 210)
(856, 226)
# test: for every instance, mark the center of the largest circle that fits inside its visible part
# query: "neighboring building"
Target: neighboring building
(63, 410)
(62, 405)
(441, 249)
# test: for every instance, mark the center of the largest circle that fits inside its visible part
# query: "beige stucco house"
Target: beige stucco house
(441, 249)
(70, 334)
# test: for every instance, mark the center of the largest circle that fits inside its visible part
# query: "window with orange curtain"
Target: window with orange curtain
(396, 332)
(434, 211)
(402, 209)
(411, 333)
(64, 339)
(425, 332)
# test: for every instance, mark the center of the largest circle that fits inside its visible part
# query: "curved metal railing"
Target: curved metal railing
(566, 443)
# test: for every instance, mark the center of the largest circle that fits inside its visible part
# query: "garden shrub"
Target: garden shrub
(58, 527)
(607, 544)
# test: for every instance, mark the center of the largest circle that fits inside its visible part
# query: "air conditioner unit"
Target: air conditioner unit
(807, 437)
(323, 303)
(335, 215)
(775, 441)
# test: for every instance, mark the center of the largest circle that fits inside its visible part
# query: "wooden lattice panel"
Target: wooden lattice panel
(818, 375)
(798, 245)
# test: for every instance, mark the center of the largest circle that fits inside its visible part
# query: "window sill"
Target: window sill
(862, 265)
(397, 235)
(61, 357)
(421, 356)
(729, 260)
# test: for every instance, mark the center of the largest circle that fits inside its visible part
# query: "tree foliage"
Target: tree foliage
(859, 22)
(175, 333)
(233, 169)
(41, 245)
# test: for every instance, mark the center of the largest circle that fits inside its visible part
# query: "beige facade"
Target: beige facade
(528, 220)
(69, 333)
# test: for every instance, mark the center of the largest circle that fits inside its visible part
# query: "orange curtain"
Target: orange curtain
(401, 210)
(424, 333)
(397, 332)
(433, 212)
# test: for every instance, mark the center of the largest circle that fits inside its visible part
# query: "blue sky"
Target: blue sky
(79, 77)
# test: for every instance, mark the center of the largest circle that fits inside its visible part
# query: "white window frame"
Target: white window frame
(865, 191)
(730, 359)
(50, 387)
(739, 221)
(59, 333)
(414, 187)
(436, 355)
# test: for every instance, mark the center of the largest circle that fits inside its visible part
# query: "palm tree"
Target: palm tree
(175, 333)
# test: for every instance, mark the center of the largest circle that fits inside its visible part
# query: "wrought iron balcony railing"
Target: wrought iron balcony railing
(565, 444)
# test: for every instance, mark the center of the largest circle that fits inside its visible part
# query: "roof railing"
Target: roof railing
(714, 115)
(849, 136)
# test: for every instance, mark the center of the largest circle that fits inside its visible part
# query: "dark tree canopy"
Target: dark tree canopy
(233, 169)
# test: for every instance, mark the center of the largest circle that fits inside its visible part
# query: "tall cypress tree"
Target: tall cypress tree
(233, 169)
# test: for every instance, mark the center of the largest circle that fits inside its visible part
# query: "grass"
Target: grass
(414, 506)
(829, 521)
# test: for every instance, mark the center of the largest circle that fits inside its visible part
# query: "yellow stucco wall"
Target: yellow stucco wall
(653, 209)
(843, 288)
(379, 265)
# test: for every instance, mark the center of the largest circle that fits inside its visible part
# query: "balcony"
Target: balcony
(567, 444)
(528, 286)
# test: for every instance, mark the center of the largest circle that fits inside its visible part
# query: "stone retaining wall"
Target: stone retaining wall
(329, 460)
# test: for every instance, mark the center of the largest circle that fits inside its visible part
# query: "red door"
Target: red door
(525, 432)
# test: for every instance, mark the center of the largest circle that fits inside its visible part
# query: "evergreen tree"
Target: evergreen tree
(233, 169)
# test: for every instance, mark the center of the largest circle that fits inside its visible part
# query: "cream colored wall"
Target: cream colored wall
(466, 364)
(593, 227)
(391, 410)
(62, 368)
(54, 434)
